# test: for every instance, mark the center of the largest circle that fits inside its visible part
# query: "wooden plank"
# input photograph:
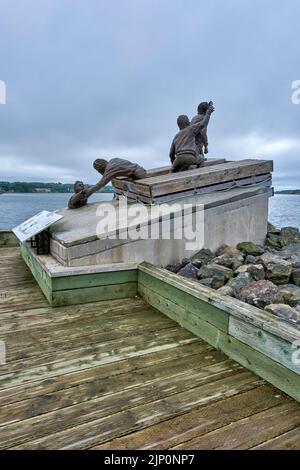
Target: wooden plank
(182, 181)
(208, 176)
(40, 275)
(197, 422)
(17, 298)
(77, 289)
(234, 307)
(287, 441)
(261, 181)
(152, 382)
(190, 303)
(93, 280)
(276, 374)
(249, 431)
(166, 169)
(279, 375)
(163, 170)
(58, 363)
(38, 342)
(104, 421)
(23, 319)
(190, 322)
(38, 388)
(93, 294)
(272, 346)
(8, 238)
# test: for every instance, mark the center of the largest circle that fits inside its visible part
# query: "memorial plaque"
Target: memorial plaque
(35, 225)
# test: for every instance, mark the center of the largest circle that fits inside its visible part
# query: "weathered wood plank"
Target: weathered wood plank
(249, 431)
(262, 181)
(87, 430)
(8, 239)
(190, 303)
(272, 346)
(93, 280)
(16, 298)
(93, 294)
(23, 319)
(98, 372)
(135, 364)
(287, 441)
(69, 290)
(279, 375)
(166, 169)
(190, 322)
(198, 422)
(276, 374)
(234, 307)
(54, 364)
(40, 275)
(162, 379)
(35, 343)
(182, 181)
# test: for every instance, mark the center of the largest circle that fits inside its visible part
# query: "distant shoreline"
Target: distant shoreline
(41, 188)
(289, 191)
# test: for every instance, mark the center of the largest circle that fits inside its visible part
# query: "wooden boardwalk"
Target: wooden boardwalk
(120, 375)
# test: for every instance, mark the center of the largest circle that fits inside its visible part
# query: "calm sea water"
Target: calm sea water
(15, 208)
(284, 210)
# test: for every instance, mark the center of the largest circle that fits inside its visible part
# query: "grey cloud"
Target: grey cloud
(109, 78)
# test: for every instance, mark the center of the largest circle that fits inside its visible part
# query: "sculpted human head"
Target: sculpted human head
(183, 121)
(203, 107)
(78, 186)
(100, 165)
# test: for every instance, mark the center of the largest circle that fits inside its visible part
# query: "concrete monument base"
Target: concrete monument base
(229, 217)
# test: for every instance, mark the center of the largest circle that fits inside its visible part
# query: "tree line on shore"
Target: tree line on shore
(37, 187)
(288, 191)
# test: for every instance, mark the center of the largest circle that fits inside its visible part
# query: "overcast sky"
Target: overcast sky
(99, 78)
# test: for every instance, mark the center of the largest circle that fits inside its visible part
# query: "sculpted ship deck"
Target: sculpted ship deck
(169, 186)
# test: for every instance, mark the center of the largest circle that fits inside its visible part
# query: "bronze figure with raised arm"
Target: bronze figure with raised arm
(201, 138)
(110, 170)
(184, 151)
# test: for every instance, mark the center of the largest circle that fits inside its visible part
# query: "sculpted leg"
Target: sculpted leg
(184, 161)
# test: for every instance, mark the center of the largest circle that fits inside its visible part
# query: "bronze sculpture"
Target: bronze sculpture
(184, 152)
(201, 138)
(79, 199)
(118, 167)
(109, 169)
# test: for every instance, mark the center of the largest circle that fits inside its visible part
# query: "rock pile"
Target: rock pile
(265, 276)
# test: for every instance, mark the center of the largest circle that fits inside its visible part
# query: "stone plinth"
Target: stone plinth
(229, 217)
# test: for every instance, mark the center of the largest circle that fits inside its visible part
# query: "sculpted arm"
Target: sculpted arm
(204, 122)
(93, 189)
(172, 152)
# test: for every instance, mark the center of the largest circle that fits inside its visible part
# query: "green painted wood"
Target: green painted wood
(8, 238)
(270, 370)
(260, 351)
(94, 294)
(41, 276)
(187, 320)
(84, 288)
(276, 348)
(94, 280)
(191, 304)
(233, 307)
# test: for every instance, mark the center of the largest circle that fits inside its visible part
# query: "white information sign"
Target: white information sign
(36, 224)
